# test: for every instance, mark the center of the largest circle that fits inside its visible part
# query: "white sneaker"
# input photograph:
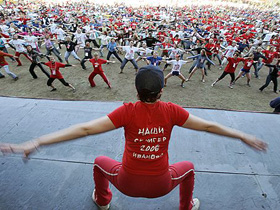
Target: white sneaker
(100, 207)
(230, 86)
(203, 81)
(212, 85)
(196, 204)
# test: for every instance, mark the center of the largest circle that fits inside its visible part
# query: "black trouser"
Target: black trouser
(115, 54)
(208, 63)
(270, 78)
(83, 61)
(94, 42)
(50, 81)
(232, 75)
(219, 58)
(55, 51)
(31, 70)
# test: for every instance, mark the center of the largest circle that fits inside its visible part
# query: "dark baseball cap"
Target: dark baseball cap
(149, 79)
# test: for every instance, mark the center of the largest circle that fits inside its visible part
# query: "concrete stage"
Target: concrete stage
(229, 175)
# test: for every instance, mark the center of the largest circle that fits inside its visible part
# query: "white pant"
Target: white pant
(224, 61)
(6, 68)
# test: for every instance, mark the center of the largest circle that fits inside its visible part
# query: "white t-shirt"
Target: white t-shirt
(18, 45)
(60, 33)
(230, 50)
(104, 39)
(31, 40)
(174, 52)
(268, 37)
(129, 55)
(176, 65)
(145, 51)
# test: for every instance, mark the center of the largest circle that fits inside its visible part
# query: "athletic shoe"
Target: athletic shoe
(109, 85)
(54, 89)
(74, 90)
(212, 85)
(182, 85)
(100, 207)
(16, 78)
(203, 81)
(196, 204)
(2, 76)
(230, 86)
(187, 80)
(248, 85)
(19, 65)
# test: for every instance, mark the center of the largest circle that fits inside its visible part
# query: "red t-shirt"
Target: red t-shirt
(54, 67)
(3, 62)
(147, 133)
(97, 64)
(270, 56)
(232, 64)
(248, 64)
(210, 47)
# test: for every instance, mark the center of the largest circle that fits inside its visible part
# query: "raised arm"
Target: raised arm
(96, 126)
(199, 124)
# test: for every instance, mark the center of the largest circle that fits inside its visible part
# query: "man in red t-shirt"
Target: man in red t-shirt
(144, 170)
(55, 73)
(230, 69)
(97, 69)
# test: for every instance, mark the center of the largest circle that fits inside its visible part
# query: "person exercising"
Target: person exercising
(144, 170)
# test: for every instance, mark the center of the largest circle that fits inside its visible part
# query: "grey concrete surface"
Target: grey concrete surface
(229, 174)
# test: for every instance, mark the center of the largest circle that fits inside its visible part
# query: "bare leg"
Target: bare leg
(166, 78)
(248, 75)
(193, 71)
(203, 75)
(181, 76)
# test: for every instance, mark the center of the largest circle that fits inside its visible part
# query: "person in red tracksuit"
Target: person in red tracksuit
(230, 69)
(144, 170)
(55, 73)
(97, 69)
(4, 64)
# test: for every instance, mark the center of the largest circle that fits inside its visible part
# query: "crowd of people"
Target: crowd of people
(160, 36)
(164, 38)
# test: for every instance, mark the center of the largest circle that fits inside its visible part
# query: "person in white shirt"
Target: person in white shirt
(31, 40)
(18, 46)
(129, 56)
(60, 35)
(143, 54)
(230, 50)
(176, 67)
(173, 52)
(81, 40)
(91, 37)
(104, 42)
